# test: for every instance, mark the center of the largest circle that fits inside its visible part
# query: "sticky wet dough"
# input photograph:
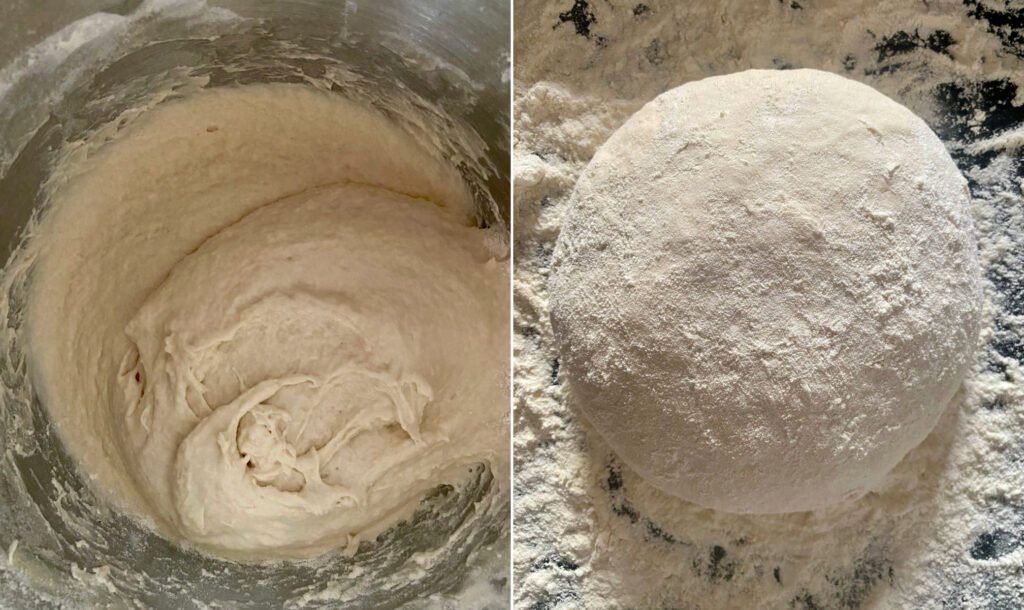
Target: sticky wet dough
(261, 317)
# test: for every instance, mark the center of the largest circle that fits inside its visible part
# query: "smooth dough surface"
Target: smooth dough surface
(766, 289)
(261, 317)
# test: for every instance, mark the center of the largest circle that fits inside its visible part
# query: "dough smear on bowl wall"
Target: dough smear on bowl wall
(261, 317)
(766, 289)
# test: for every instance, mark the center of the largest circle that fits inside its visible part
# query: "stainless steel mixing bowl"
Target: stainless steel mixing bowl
(440, 67)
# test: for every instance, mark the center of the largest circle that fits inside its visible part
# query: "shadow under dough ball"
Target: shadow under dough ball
(766, 289)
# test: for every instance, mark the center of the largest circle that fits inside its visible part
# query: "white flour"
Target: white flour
(946, 528)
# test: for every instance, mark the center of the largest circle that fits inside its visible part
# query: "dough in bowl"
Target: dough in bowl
(261, 319)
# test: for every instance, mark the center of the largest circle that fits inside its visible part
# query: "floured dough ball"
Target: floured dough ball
(766, 289)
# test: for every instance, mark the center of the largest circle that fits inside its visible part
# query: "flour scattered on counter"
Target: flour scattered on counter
(946, 528)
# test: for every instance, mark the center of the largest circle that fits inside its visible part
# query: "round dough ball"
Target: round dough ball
(766, 289)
